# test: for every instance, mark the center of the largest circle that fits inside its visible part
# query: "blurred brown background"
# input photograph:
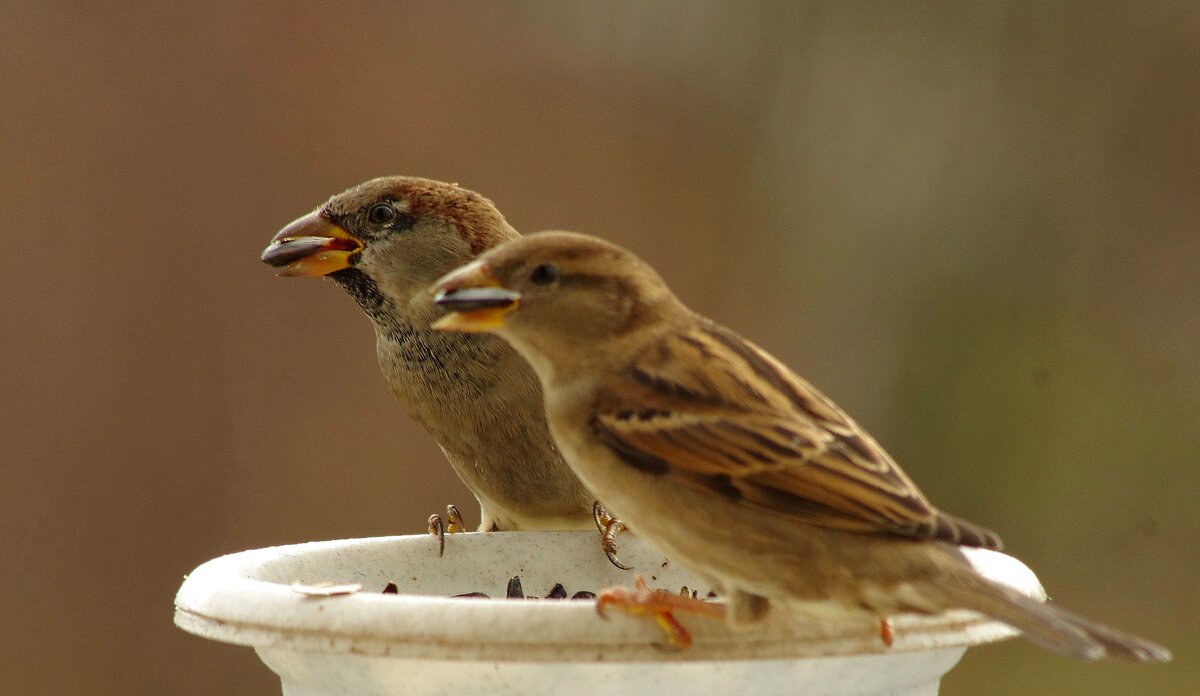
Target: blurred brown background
(973, 224)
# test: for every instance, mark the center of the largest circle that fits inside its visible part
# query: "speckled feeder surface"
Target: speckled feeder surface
(422, 641)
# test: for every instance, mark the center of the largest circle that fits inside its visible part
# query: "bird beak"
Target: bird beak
(311, 247)
(476, 300)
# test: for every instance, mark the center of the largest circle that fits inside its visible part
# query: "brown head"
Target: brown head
(558, 298)
(387, 239)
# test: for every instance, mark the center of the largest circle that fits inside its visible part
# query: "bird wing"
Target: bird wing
(721, 414)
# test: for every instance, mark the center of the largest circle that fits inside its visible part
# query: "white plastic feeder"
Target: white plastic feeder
(422, 641)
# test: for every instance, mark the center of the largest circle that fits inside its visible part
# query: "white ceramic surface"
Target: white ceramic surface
(424, 642)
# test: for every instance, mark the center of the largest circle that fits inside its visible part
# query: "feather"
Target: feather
(719, 413)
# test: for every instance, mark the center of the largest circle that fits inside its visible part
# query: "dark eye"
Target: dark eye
(381, 214)
(544, 274)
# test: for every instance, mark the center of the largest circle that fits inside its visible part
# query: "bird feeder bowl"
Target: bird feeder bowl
(352, 638)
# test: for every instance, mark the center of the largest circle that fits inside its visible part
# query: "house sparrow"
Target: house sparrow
(722, 457)
(385, 241)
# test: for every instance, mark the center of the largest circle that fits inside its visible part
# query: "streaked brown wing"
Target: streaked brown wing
(721, 414)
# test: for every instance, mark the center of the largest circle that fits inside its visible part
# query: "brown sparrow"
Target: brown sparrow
(725, 459)
(385, 241)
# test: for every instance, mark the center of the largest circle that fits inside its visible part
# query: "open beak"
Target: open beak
(310, 247)
(476, 300)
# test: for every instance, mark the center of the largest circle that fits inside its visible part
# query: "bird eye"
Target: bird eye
(544, 274)
(381, 214)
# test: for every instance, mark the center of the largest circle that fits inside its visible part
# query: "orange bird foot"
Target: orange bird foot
(885, 632)
(660, 604)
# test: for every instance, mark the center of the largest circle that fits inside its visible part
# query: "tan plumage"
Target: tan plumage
(734, 466)
(760, 434)
(475, 396)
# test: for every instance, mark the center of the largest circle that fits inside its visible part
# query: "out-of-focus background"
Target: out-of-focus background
(975, 225)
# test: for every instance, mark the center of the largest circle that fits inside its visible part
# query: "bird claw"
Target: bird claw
(610, 527)
(453, 525)
(660, 604)
(886, 634)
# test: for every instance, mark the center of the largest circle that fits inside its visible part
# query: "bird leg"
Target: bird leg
(885, 632)
(660, 604)
(453, 525)
(610, 527)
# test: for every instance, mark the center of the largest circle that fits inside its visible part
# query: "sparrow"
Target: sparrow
(384, 242)
(731, 464)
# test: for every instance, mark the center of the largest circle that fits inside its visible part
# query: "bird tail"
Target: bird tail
(1050, 627)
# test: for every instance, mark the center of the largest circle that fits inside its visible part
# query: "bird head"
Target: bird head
(387, 239)
(556, 294)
